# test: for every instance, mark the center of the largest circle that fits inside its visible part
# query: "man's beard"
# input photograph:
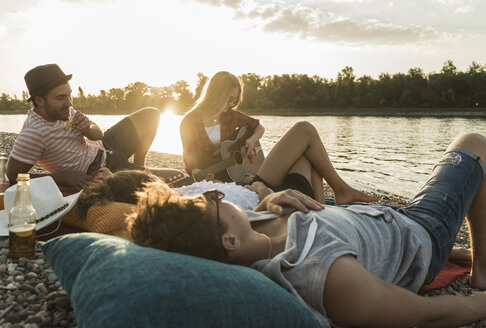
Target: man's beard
(54, 114)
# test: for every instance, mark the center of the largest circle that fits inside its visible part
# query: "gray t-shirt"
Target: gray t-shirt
(387, 243)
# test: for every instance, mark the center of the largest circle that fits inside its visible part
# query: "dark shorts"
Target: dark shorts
(294, 181)
(444, 201)
(122, 142)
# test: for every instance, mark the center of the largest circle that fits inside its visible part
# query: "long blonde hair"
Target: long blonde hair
(217, 93)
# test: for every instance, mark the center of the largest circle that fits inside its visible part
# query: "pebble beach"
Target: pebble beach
(31, 295)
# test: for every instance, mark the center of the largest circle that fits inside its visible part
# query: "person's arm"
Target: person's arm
(14, 167)
(75, 179)
(250, 142)
(89, 129)
(277, 201)
(353, 297)
(260, 188)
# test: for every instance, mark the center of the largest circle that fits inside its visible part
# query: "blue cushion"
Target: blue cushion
(112, 282)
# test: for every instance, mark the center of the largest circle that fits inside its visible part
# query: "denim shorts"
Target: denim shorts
(444, 201)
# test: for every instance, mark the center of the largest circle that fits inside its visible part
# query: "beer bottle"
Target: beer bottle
(21, 221)
(4, 183)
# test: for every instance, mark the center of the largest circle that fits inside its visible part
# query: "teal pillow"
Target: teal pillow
(112, 282)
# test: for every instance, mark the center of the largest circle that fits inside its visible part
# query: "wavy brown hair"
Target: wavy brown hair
(169, 221)
(120, 186)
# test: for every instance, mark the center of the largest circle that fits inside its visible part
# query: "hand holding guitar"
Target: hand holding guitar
(250, 148)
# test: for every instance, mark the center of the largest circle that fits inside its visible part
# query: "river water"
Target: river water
(391, 154)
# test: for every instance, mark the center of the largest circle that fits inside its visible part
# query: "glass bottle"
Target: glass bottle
(21, 221)
(4, 183)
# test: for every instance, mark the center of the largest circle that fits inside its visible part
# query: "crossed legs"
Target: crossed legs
(301, 150)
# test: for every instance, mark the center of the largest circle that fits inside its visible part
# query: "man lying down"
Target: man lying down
(356, 266)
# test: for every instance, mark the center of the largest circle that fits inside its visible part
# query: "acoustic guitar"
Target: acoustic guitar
(234, 161)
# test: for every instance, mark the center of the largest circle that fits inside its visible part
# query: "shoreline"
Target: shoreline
(31, 295)
(401, 112)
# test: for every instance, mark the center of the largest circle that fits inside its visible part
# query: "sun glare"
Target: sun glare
(168, 139)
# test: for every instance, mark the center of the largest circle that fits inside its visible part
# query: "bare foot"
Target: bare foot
(352, 195)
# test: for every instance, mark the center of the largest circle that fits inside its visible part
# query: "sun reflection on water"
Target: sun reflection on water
(167, 139)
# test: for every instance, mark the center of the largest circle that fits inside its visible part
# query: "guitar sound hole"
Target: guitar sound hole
(238, 158)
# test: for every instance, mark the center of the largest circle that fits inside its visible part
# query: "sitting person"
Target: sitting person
(65, 142)
(359, 265)
(213, 120)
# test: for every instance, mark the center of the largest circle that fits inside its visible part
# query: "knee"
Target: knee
(306, 128)
(146, 118)
(151, 114)
(474, 142)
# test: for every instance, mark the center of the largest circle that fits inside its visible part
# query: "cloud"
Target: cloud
(8, 7)
(464, 10)
(295, 20)
(3, 31)
(454, 2)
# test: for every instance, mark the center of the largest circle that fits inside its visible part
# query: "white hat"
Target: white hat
(47, 200)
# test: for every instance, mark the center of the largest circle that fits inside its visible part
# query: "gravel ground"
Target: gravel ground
(32, 296)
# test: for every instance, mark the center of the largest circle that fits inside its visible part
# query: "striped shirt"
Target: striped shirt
(53, 146)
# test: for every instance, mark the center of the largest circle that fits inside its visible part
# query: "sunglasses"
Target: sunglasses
(216, 196)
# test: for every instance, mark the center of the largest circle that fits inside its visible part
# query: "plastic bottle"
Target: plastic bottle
(21, 221)
(4, 183)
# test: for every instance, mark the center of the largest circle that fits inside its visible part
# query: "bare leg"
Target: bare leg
(303, 140)
(460, 253)
(476, 216)
(146, 122)
(317, 186)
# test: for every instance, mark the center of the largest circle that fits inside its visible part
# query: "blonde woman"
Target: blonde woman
(298, 161)
(213, 120)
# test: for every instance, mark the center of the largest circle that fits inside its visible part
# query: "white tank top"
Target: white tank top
(214, 133)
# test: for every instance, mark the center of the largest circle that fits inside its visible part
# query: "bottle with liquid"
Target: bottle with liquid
(4, 183)
(21, 221)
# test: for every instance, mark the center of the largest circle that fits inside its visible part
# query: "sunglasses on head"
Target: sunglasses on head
(216, 196)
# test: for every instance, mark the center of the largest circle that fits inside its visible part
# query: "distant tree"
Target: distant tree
(252, 90)
(345, 87)
(298, 92)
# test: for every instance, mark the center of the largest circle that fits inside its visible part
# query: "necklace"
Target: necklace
(270, 246)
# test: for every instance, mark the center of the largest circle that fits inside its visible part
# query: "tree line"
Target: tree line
(449, 88)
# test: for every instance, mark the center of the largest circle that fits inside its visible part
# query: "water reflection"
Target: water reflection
(393, 154)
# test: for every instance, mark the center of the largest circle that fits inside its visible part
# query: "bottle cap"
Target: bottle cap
(23, 177)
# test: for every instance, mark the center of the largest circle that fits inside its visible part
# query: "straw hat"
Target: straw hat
(47, 200)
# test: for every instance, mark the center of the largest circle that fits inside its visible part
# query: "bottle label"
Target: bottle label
(22, 241)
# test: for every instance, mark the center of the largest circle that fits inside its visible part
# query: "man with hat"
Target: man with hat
(67, 144)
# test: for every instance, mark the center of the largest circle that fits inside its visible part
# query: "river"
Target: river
(392, 154)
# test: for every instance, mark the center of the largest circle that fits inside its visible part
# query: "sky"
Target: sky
(110, 43)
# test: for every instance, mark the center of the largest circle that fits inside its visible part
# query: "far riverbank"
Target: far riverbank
(479, 112)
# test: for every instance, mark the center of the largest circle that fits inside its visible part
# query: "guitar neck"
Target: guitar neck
(178, 181)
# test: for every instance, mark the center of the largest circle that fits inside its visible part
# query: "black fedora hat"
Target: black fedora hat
(43, 78)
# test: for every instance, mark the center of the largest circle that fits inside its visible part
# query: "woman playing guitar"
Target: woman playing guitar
(298, 161)
(213, 120)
